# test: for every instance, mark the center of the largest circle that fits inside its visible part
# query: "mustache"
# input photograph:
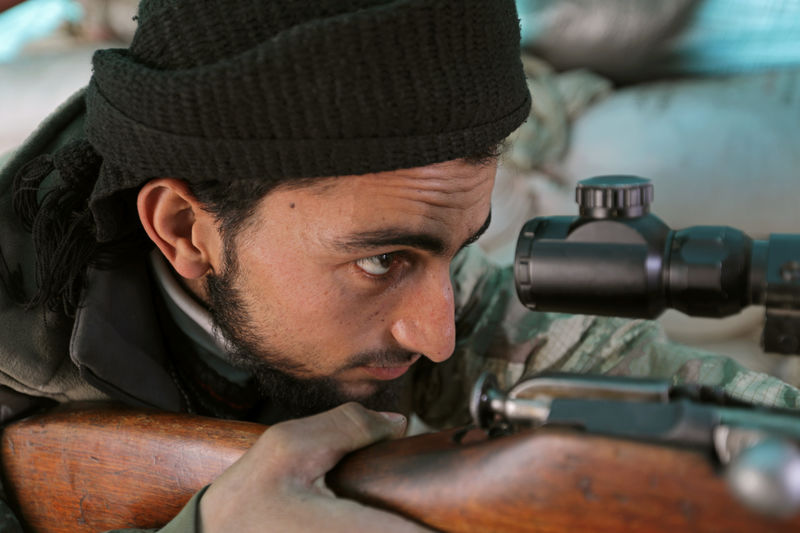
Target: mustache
(385, 358)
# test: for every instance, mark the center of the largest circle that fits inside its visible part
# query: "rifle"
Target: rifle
(95, 468)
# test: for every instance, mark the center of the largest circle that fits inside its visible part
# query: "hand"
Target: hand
(278, 485)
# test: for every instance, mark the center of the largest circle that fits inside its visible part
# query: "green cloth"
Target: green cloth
(189, 517)
(34, 343)
(186, 521)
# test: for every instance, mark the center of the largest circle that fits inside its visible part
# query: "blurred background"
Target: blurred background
(45, 55)
(701, 96)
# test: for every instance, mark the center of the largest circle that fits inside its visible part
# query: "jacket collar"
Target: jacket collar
(194, 321)
(117, 340)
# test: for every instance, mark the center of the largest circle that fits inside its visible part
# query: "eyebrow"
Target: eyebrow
(396, 237)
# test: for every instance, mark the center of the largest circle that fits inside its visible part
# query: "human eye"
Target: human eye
(377, 265)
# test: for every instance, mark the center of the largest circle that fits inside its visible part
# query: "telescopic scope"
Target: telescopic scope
(617, 259)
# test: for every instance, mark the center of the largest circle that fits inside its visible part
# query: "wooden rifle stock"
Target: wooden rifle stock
(8, 4)
(99, 469)
(93, 469)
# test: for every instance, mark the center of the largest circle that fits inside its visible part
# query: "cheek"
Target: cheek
(299, 301)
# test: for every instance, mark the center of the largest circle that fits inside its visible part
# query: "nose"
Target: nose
(425, 322)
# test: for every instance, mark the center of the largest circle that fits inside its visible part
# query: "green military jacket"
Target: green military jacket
(114, 348)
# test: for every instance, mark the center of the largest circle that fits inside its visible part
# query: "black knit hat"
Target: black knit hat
(266, 90)
(254, 89)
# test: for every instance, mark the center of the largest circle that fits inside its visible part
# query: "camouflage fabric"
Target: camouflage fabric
(498, 334)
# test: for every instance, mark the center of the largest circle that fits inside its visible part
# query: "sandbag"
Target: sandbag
(639, 40)
(721, 151)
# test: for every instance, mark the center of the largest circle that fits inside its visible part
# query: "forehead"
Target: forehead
(446, 197)
(457, 181)
(450, 185)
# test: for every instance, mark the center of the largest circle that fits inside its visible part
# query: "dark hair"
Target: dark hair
(65, 238)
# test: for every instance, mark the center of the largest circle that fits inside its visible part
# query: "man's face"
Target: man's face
(334, 289)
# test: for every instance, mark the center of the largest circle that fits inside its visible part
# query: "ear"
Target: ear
(175, 221)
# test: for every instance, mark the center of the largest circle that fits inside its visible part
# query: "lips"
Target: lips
(389, 372)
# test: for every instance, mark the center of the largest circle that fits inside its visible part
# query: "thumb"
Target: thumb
(357, 426)
(323, 439)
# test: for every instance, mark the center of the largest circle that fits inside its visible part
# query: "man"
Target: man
(306, 178)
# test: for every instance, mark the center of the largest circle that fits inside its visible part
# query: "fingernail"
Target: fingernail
(394, 418)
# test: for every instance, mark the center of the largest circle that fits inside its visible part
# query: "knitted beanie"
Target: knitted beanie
(275, 90)
(253, 89)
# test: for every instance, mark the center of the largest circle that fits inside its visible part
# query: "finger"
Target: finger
(281, 470)
(321, 440)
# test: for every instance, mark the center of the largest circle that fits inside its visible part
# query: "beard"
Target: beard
(279, 379)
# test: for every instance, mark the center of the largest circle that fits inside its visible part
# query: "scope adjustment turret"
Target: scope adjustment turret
(614, 196)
